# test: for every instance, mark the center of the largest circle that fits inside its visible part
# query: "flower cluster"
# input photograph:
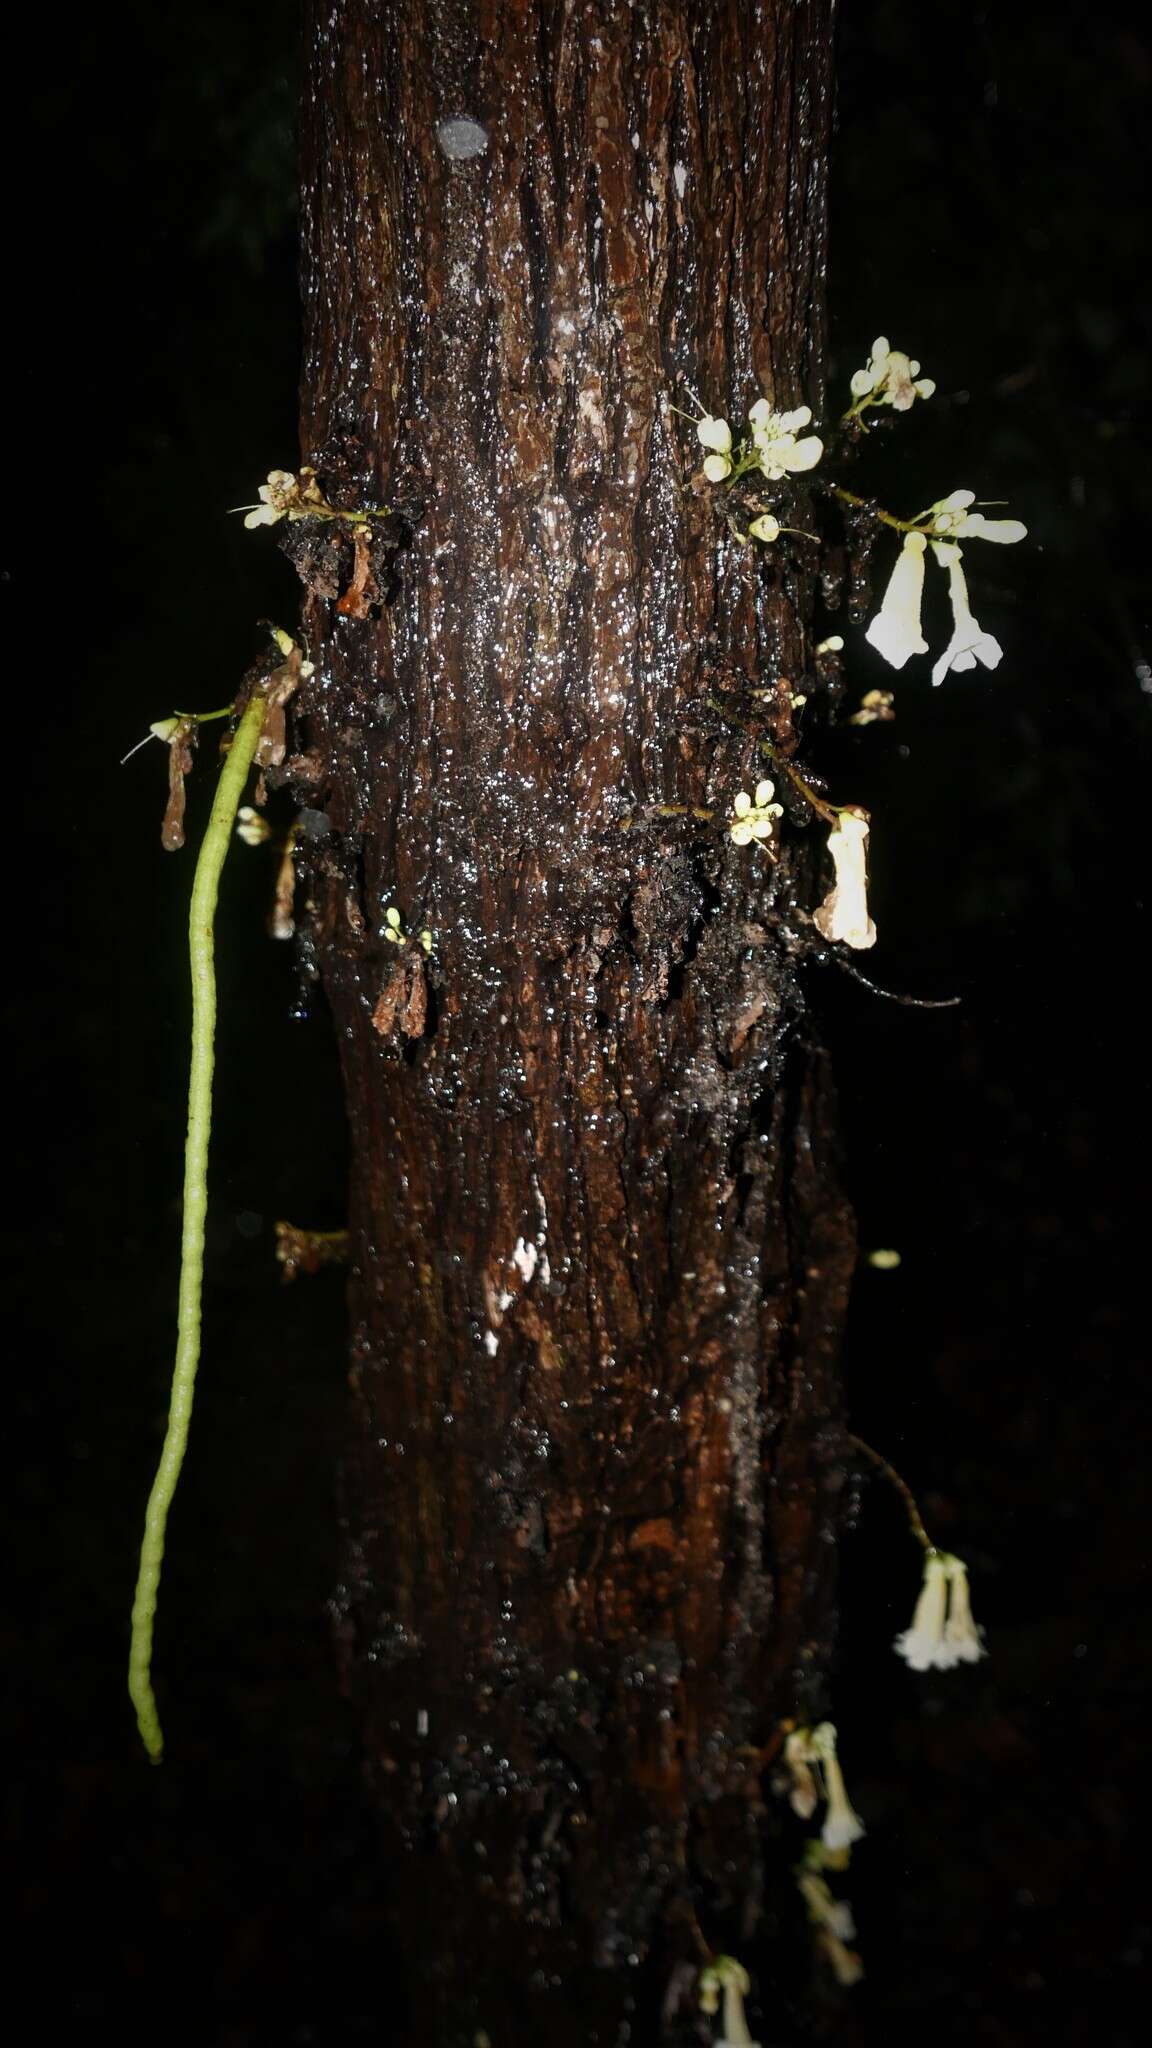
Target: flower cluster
(889, 378)
(896, 632)
(831, 1917)
(943, 1633)
(810, 1754)
(285, 496)
(774, 436)
(725, 1977)
(774, 446)
(393, 930)
(875, 705)
(753, 816)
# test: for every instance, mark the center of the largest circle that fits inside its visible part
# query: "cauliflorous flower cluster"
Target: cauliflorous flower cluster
(775, 446)
(896, 631)
(810, 1754)
(753, 816)
(943, 1633)
(285, 496)
(888, 378)
(776, 438)
(393, 930)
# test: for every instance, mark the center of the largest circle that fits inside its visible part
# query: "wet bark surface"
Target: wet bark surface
(601, 1256)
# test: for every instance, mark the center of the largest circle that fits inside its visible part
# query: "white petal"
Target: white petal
(714, 433)
(717, 467)
(922, 1645)
(1003, 531)
(802, 454)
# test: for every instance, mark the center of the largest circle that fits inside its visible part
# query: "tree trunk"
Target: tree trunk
(601, 1255)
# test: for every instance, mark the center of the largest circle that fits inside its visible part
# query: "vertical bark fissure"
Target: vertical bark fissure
(602, 1256)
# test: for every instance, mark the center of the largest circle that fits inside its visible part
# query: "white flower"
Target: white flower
(951, 517)
(752, 817)
(895, 631)
(843, 915)
(960, 1631)
(725, 1975)
(891, 378)
(774, 434)
(943, 1633)
(823, 1909)
(766, 527)
(715, 434)
(842, 1825)
(922, 1646)
(717, 467)
(800, 1755)
(845, 1962)
(969, 643)
(279, 493)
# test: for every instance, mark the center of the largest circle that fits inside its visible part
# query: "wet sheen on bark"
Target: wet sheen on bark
(600, 1252)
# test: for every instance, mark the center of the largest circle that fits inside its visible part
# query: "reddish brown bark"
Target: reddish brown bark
(601, 1255)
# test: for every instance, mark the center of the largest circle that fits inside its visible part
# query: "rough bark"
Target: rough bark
(600, 1252)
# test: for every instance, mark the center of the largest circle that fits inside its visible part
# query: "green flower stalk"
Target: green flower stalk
(201, 946)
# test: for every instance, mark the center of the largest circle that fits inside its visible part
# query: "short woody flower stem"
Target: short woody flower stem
(903, 1489)
(778, 760)
(877, 511)
(205, 889)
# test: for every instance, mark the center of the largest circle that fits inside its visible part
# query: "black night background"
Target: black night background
(988, 216)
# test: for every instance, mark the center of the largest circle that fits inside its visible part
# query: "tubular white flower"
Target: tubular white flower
(752, 818)
(800, 1755)
(969, 643)
(728, 1977)
(961, 1634)
(922, 1646)
(774, 435)
(842, 1825)
(943, 1633)
(845, 1962)
(843, 915)
(823, 1909)
(895, 631)
(766, 527)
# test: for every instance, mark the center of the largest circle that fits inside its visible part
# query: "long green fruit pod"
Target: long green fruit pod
(264, 704)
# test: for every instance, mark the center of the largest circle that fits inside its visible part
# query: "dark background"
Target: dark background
(988, 217)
